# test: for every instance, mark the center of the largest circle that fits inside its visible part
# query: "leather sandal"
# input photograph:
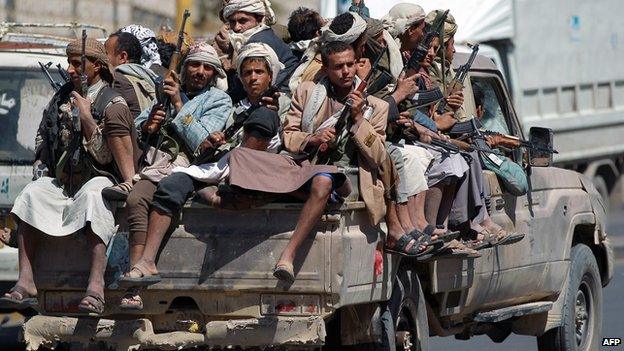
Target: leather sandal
(93, 304)
(284, 271)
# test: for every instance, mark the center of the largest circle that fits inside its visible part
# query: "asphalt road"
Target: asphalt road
(612, 309)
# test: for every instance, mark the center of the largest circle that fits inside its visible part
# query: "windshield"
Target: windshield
(24, 94)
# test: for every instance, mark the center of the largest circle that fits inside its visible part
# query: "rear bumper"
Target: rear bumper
(123, 334)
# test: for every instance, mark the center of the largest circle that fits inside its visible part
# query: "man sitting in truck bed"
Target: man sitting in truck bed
(258, 67)
(70, 200)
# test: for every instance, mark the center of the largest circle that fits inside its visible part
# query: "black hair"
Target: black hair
(479, 95)
(165, 50)
(342, 23)
(128, 43)
(304, 24)
(258, 59)
(333, 47)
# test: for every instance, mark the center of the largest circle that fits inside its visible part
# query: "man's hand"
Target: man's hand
(83, 105)
(155, 120)
(406, 87)
(444, 121)
(363, 66)
(172, 88)
(223, 40)
(357, 107)
(213, 141)
(325, 135)
(455, 100)
(271, 102)
(405, 120)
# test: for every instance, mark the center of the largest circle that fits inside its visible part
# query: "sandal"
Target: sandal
(455, 249)
(140, 279)
(489, 240)
(20, 302)
(92, 304)
(507, 238)
(117, 192)
(414, 251)
(446, 237)
(284, 271)
(131, 301)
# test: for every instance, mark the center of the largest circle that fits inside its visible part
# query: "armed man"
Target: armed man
(198, 110)
(249, 21)
(68, 200)
(428, 209)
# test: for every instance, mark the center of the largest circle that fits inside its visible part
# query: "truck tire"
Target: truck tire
(582, 309)
(409, 314)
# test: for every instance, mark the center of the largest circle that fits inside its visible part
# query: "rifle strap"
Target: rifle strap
(105, 97)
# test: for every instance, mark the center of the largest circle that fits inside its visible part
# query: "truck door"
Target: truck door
(519, 271)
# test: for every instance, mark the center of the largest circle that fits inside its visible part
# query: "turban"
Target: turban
(358, 27)
(401, 17)
(205, 53)
(260, 7)
(95, 51)
(260, 50)
(149, 46)
(374, 27)
(450, 26)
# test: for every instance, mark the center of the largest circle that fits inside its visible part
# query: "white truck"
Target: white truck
(561, 61)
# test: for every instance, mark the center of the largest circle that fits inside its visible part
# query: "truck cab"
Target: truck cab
(218, 289)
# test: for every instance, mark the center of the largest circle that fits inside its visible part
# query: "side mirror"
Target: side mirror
(541, 152)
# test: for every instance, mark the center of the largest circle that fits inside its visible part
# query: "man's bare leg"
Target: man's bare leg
(122, 151)
(28, 240)
(157, 227)
(446, 203)
(404, 217)
(395, 230)
(135, 252)
(310, 214)
(432, 203)
(98, 263)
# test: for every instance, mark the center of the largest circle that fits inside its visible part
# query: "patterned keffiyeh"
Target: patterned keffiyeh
(149, 48)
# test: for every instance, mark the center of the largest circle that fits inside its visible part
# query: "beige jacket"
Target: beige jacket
(369, 135)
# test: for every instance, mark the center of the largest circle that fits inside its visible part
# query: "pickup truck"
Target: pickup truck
(218, 289)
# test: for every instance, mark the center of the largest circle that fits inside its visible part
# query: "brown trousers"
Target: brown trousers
(137, 207)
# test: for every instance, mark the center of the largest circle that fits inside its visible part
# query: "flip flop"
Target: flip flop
(284, 271)
(143, 280)
(92, 304)
(511, 238)
(131, 296)
(26, 300)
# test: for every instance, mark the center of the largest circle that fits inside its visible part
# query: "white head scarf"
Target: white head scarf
(358, 27)
(401, 17)
(327, 35)
(202, 52)
(263, 51)
(260, 7)
(149, 48)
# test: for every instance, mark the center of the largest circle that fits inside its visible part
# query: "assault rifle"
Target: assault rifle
(420, 52)
(45, 69)
(162, 98)
(457, 84)
(472, 129)
(323, 152)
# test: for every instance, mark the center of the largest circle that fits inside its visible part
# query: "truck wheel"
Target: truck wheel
(582, 310)
(409, 313)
